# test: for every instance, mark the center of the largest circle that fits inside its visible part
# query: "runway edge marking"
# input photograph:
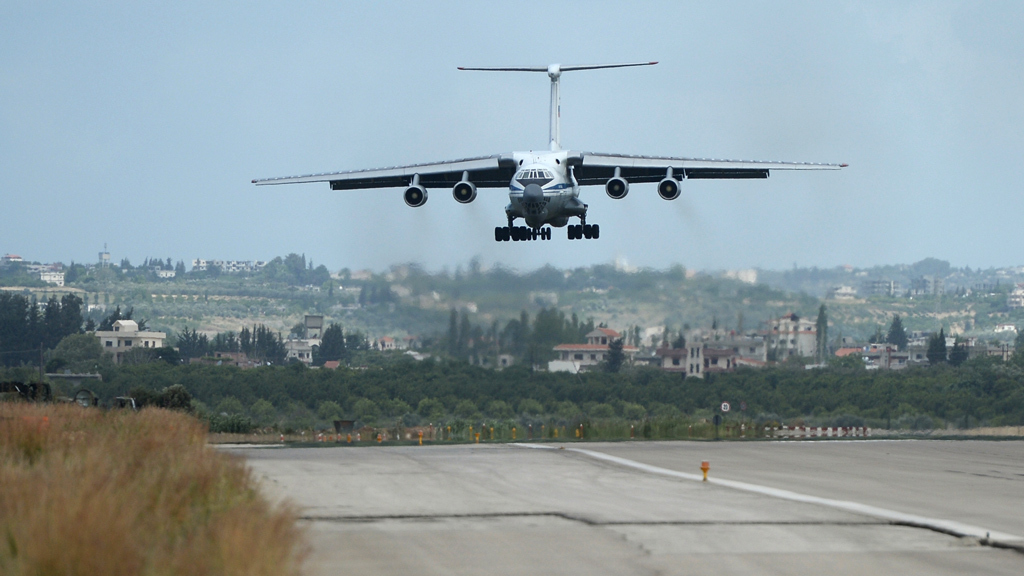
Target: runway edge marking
(959, 529)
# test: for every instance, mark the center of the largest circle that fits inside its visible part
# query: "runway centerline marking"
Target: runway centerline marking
(951, 527)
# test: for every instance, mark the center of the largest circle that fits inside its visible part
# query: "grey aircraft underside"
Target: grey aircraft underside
(544, 186)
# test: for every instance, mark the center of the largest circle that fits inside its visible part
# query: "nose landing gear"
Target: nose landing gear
(520, 234)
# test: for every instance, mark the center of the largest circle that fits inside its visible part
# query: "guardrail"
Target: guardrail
(817, 432)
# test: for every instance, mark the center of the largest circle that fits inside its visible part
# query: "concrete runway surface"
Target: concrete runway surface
(503, 509)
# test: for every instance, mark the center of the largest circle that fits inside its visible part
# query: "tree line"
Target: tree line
(25, 325)
(980, 391)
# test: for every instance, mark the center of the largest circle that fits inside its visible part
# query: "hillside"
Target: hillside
(408, 300)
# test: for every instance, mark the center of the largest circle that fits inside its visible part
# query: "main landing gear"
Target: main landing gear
(581, 231)
(521, 233)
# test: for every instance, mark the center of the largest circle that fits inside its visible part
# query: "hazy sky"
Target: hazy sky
(142, 124)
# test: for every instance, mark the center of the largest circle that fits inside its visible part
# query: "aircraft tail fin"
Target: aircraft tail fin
(554, 72)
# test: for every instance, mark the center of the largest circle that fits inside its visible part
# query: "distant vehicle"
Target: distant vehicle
(544, 186)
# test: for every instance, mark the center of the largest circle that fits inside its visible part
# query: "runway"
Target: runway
(503, 509)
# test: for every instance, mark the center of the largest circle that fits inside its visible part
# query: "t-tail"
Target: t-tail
(555, 73)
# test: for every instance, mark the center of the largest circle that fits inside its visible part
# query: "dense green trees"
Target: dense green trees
(982, 390)
(24, 326)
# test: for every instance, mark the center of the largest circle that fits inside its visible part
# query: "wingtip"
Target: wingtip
(254, 181)
(461, 67)
(843, 165)
(652, 63)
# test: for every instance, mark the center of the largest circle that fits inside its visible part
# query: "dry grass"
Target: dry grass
(88, 492)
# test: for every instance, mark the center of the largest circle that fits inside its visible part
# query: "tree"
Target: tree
(680, 342)
(191, 344)
(897, 335)
(1018, 348)
(453, 333)
(958, 355)
(616, 357)
(332, 345)
(329, 410)
(79, 353)
(821, 325)
(937, 348)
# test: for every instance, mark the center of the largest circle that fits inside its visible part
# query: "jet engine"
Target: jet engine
(617, 187)
(415, 195)
(464, 192)
(668, 188)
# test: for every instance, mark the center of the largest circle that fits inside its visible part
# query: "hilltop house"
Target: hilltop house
(125, 336)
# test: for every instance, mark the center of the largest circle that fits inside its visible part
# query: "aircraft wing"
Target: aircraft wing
(595, 168)
(485, 172)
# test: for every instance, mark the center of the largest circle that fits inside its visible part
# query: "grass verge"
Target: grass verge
(83, 491)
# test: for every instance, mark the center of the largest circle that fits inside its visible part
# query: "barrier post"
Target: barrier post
(513, 432)
(421, 437)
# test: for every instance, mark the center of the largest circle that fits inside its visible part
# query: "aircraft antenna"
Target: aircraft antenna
(554, 72)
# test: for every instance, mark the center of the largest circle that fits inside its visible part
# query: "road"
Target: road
(501, 509)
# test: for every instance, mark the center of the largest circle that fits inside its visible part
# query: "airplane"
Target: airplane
(544, 186)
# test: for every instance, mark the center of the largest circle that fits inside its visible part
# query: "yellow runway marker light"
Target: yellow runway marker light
(704, 467)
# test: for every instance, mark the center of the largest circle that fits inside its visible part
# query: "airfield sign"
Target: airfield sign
(725, 406)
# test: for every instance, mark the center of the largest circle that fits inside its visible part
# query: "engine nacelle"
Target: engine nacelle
(415, 196)
(464, 192)
(668, 188)
(617, 187)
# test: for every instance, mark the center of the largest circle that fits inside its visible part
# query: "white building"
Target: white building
(50, 277)
(577, 357)
(126, 336)
(792, 335)
(228, 266)
(1015, 299)
(842, 293)
(298, 350)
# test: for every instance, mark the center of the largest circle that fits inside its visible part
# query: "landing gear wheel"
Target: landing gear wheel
(498, 235)
(595, 231)
(588, 231)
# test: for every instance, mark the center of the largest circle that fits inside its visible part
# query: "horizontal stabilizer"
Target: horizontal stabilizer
(557, 66)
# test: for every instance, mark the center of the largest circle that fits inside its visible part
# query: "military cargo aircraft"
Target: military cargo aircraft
(544, 186)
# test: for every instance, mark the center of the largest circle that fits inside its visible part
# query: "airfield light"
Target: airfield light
(704, 467)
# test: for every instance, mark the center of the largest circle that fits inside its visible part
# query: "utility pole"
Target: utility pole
(40, 361)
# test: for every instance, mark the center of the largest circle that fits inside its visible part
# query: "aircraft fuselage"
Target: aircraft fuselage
(543, 190)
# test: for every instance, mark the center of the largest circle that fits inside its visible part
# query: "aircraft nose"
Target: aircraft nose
(533, 193)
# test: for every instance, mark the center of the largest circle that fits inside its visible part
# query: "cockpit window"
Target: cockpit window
(534, 176)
